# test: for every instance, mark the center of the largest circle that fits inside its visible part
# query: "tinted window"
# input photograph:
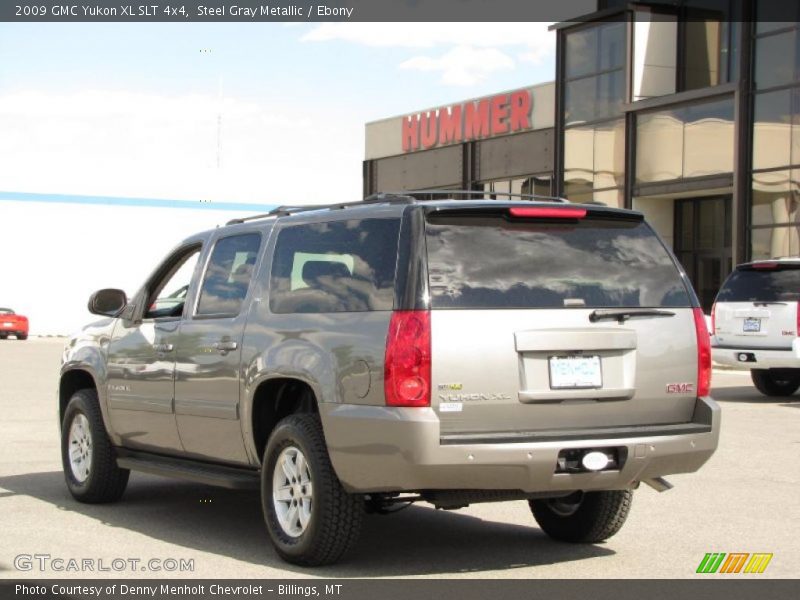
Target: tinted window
(340, 266)
(228, 275)
(768, 285)
(491, 262)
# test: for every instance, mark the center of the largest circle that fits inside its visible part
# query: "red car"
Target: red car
(13, 324)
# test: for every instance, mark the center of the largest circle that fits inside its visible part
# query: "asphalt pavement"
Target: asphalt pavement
(745, 499)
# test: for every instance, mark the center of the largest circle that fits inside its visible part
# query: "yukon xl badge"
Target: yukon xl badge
(680, 388)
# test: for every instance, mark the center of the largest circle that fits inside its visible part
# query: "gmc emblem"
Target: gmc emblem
(680, 388)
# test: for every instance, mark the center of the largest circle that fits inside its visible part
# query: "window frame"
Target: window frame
(166, 270)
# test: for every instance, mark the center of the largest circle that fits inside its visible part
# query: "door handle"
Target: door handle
(161, 348)
(225, 347)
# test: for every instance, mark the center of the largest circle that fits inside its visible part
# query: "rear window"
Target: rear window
(762, 285)
(338, 266)
(493, 262)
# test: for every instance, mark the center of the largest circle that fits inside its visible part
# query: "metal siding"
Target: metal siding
(430, 169)
(515, 155)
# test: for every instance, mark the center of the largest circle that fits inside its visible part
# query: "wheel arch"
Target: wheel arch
(70, 382)
(273, 399)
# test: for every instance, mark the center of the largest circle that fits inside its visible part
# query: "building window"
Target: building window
(692, 140)
(595, 72)
(776, 197)
(775, 217)
(537, 185)
(594, 157)
(683, 48)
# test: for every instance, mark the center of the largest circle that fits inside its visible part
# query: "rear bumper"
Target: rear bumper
(375, 448)
(763, 358)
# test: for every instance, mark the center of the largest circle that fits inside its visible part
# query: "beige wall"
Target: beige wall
(660, 213)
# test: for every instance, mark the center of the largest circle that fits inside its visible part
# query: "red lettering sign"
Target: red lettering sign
(428, 133)
(476, 120)
(410, 134)
(450, 125)
(471, 120)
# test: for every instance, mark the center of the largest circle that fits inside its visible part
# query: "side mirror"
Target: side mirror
(108, 302)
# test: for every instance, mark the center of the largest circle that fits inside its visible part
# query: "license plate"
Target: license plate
(7, 324)
(751, 325)
(573, 372)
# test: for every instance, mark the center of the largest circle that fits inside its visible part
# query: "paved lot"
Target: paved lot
(744, 500)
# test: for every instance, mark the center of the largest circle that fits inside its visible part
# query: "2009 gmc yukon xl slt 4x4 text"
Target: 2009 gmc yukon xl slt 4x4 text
(346, 359)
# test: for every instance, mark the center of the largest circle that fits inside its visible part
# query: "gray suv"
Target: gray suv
(356, 358)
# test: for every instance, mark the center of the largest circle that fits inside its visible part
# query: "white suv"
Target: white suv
(756, 321)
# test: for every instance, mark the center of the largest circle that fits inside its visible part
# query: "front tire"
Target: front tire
(776, 382)
(583, 517)
(88, 458)
(310, 518)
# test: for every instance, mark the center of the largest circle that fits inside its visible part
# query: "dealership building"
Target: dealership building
(690, 115)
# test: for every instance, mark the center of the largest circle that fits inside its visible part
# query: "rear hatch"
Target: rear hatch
(540, 322)
(757, 306)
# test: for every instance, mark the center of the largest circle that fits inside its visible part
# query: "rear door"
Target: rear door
(757, 306)
(521, 339)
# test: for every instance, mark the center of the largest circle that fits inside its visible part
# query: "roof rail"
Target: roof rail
(283, 211)
(483, 193)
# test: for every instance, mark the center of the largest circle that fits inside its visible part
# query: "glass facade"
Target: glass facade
(774, 215)
(693, 140)
(594, 92)
(595, 72)
(538, 185)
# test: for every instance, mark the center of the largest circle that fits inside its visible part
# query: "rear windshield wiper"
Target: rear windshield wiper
(621, 314)
(767, 303)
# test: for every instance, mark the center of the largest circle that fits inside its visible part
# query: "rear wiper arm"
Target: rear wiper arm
(622, 314)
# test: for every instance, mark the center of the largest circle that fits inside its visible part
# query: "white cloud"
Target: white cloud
(462, 65)
(119, 143)
(476, 50)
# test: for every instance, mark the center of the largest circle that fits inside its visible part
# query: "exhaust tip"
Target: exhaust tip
(659, 484)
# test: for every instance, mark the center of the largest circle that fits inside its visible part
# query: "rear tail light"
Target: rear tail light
(797, 320)
(544, 212)
(407, 368)
(703, 353)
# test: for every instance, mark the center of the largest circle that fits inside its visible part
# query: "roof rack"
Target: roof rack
(402, 197)
(446, 192)
(283, 211)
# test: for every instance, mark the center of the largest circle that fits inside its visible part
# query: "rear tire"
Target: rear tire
(583, 517)
(310, 518)
(776, 382)
(88, 458)
(3, 336)
(22, 336)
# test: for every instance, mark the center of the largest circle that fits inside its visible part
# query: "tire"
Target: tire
(583, 517)
(332, 516)
(776, 382)
(22, 336)
(3, 336)
(94, 477)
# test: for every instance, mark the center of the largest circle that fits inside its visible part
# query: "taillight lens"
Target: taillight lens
(703, 353)
(407, 368)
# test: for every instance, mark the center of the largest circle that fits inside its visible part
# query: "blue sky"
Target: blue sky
(91, 104)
